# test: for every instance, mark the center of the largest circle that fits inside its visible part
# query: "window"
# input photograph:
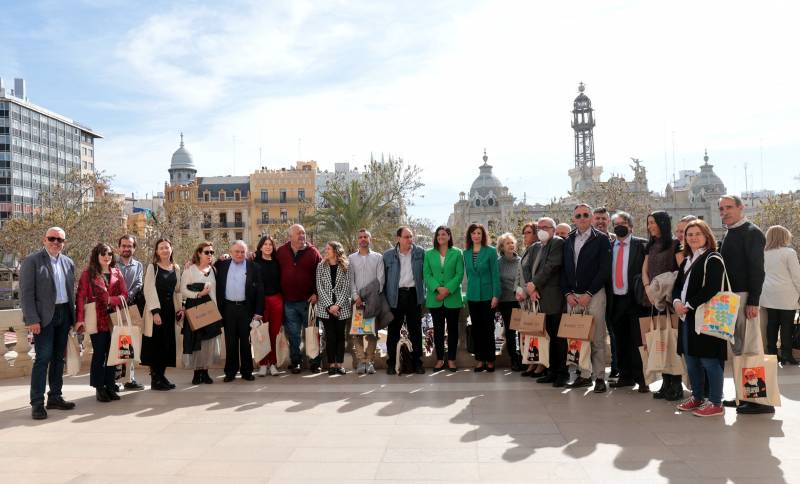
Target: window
(264, 217)
(237, 195)
(237, 218)
(284, 216)
(283, 195)
(491, 202)
(223, 218)
(264, 196)
(207, 235)
(301, 194)
(239, 236)
(206, 196)
(477, 203)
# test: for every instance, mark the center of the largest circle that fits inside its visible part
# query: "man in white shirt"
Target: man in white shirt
(366, 266)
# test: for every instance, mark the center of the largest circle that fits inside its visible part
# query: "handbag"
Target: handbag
(281, 348)
(73, 355)
(203, 315)
(311, 333)
(717, 317)
(532, 320)
(576, 325)
(756, 378)
(535, 349)
(126, 341)
(657, 346)
(259, 341)
(579, 353)
(361, 325)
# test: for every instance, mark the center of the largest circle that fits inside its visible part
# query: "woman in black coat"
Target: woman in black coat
(699, 279)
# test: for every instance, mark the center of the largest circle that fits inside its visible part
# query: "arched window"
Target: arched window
(477, 203)
(491, 202)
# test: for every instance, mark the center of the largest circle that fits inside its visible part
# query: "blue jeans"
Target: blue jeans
(698, 368)
(50, 345)
(295, 319)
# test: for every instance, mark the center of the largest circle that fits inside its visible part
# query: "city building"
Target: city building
(38, 148)
(242, 207)
(340, 171)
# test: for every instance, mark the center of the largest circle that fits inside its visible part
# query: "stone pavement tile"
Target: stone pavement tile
(338, 471)
(530, 416)
(432, 471)
(514, 455)
(224, 469)
(743, 466)
(38, 477)
(523, 440)
(642, 471)
(608, 432)
(531, 471)
(113, 477)
(323, 454)
(434, 455)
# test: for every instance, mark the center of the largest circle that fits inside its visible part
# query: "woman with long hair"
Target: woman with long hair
(443, 270)
(483, 292)
(662, 254)
(335, 304)
(273, 299)
(199, 286)
(103, 284)
(163, 308)
(781, 291)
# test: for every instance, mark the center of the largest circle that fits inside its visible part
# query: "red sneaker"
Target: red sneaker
(690, 405)
(709, 410)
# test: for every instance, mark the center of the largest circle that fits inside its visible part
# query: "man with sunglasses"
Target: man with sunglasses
(47, 294)
(587, 263)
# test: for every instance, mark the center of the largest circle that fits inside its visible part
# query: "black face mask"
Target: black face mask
(621, 231)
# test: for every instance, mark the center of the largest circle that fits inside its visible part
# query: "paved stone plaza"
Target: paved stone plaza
(458, 427)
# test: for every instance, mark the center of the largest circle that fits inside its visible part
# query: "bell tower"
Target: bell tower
(585, 171)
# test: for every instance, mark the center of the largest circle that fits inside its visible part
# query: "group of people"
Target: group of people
(587, 268)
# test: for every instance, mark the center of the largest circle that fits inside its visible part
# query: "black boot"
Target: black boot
(197, 379)
(675, 390)
(206, 377)
(665, 384)
(102, 395)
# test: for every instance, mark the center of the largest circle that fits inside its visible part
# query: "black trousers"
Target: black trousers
(558, 346)
(512, 346)
(407, 312)
(481, 315)
(445, 316)
(334, 338)
(100, 375)
(238, 356)
(625, 321)
(780, 321)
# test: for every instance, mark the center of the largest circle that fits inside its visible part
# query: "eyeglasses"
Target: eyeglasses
(544, 227)
(55, 239)
(582, 215)
(208, 252)
(107, 254)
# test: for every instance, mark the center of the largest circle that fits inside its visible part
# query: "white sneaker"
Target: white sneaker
(273, 370)
(262, 370)
(371, 368)
(362, 368)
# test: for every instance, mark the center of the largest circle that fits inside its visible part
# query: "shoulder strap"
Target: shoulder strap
(726, 283)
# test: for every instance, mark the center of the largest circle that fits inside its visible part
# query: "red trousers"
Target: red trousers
(273, 312)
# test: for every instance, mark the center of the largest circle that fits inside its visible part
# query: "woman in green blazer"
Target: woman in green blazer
(483, 291)
(443, 270)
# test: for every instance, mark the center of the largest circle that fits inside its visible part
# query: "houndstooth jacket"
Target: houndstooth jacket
(325, 292)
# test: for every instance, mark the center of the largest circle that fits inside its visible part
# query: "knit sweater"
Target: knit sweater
(742, 248)
(508, 277)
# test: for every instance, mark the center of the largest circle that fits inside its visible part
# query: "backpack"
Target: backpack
(404, 355)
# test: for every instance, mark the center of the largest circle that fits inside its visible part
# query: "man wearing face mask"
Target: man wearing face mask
(541, 283)
(623, 310)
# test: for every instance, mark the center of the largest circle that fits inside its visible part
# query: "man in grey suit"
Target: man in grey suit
(541, 276)
(47, 283)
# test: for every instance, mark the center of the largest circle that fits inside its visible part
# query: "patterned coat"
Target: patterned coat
(325, 292)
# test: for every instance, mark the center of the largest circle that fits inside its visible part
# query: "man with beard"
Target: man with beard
(133, 274)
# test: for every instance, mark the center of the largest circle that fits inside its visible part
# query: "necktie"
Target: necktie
(620, 262)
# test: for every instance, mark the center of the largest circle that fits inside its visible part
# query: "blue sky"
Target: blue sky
(435, 82)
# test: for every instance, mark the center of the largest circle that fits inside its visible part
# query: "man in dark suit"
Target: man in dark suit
(587, 262)
(47, 294)
(240, 298)
(543, 271)
(623, 310)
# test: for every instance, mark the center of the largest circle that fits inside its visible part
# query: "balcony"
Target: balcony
(286, 200)
(222, 225)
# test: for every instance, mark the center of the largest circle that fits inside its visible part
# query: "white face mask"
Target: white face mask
(543, 235)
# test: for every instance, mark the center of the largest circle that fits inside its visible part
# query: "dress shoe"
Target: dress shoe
(314, 369)
(59, 403)
(159, 385)
(420, 370)
(206, 377)
(197, 379)
(643, 387)
(248, 377)
(341, 371)
(580, 382)
(614, 374)
(750, 408)
(527, 373)
(599, 386)
(437, 370)
(622, 382)
(168, 383)
(538, 374)
(38, 412)
(451, 368)
(546, 379)
(391, 371)
(133, 385)
(479, 369)
(111, 389)
(331, 371)
(517, 366)
(490, 369)
(295, 369)
(729, 403)
(102, 395)
(560, 382)
(228, 378)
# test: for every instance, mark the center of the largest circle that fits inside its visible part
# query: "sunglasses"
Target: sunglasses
(208, 252)
(55, 239)
(582, 215)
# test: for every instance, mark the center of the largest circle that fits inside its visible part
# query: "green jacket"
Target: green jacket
(449, 276)
(483, 276)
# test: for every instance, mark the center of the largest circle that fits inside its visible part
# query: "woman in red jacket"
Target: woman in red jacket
(101, 283)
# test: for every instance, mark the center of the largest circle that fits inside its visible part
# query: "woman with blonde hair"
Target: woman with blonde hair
(781, 291)
(335, 304)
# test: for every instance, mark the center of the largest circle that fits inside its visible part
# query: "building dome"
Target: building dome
(486, 182)
(707, 182)
(182, 159)
(582, 102)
